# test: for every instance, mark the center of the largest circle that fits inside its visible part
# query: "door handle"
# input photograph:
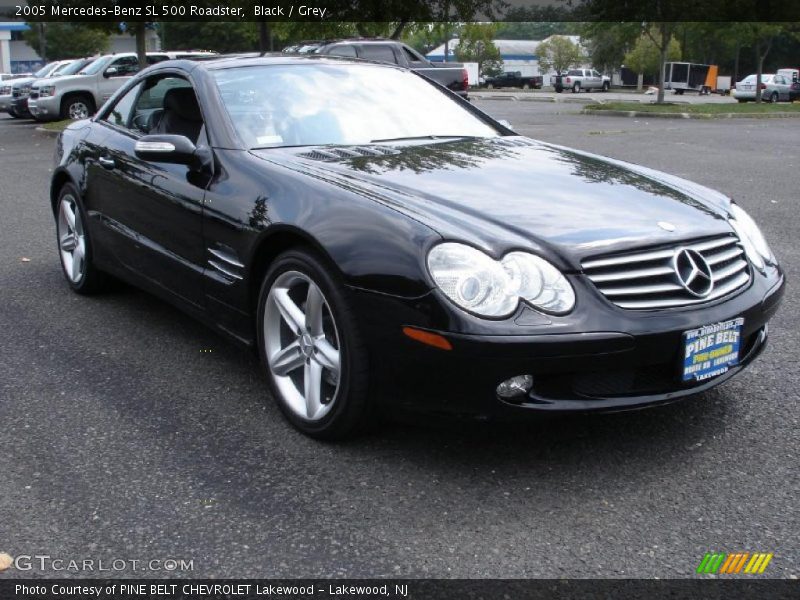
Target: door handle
(106, 163)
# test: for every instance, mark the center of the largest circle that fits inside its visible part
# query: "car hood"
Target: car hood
(21, 82)
(514, 192)
(61, 79)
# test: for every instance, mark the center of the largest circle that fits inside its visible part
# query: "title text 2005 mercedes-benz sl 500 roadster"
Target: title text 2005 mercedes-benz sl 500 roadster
(383, 242)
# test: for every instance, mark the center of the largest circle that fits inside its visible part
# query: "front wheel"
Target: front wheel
(74, 245)
(310, 344)
(77, 107)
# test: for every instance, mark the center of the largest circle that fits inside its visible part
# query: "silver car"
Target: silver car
(774, 88)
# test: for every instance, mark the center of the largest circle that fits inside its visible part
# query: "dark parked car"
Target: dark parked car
(453, 76)
(387, 243)
(514, 79)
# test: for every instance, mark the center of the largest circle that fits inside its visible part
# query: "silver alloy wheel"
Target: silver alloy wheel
(302, 345)
(78, 110)
(71, 239)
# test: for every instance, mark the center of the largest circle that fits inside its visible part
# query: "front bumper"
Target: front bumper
(5, 103)
(20, 106)
(45, 108)
(600, 358)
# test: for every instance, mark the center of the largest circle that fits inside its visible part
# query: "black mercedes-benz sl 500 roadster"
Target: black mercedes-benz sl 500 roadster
(382, 242)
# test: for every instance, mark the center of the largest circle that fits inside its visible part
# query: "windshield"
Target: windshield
(73, 67)
(45, 70)
(347, 104)
(96, 66)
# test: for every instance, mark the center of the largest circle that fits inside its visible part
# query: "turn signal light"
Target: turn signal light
(426, 337)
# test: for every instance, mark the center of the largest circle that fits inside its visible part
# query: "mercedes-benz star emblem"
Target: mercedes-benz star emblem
(693, 272)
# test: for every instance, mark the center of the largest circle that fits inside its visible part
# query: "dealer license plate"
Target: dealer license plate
(711, 350)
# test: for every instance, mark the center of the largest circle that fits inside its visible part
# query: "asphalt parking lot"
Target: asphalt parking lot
(129, 431)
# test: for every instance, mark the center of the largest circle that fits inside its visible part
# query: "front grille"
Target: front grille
(16, 93)
(647, 279)
(34, 94)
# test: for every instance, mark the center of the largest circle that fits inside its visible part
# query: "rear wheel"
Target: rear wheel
(74, 245)
(606, 86)
(77, 107)
(576, 87)
(489, 86)
(311, 347)
(773, 97)
(526, 86)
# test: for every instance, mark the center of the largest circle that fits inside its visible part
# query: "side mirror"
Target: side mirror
(172, 149)
(111, 72)
(505, 124)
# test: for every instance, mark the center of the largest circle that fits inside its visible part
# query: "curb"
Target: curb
(49, 132)
(667, 115)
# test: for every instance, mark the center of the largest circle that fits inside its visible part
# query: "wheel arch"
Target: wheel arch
(60, 178)
(270, 245)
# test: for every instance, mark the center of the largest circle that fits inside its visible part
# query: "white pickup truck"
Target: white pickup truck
(80, 95)
(580, 79)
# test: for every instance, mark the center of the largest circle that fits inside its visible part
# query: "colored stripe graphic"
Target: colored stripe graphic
(722, 563)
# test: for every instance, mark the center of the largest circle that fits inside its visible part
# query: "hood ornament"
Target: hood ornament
(693, 272)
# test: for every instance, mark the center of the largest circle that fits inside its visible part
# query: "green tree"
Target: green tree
(607, 43)
(645, 56)
(476, 44)
(222, 36)
(67, 40)
(760, 37)
(558, 53)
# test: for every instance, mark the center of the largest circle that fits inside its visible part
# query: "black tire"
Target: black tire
(741, 100)
(773, 97)
(576, 87)
(526, 86)
(351, 412)
(14, 114)
(606, 86)
(93, 280)
(71, 103)
(559, 89)
(489, 86)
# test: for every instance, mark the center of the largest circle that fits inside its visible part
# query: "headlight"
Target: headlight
(47, 90)
(478, 283)
(755, 245)
(5, 90)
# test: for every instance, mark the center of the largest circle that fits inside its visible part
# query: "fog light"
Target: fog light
(515, 387)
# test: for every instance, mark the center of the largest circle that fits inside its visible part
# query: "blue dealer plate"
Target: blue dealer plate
(711, 350)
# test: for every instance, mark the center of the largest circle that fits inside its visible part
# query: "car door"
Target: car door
(152, 212)
(597, 80)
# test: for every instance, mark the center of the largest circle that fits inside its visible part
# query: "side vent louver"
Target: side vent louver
(224, 261)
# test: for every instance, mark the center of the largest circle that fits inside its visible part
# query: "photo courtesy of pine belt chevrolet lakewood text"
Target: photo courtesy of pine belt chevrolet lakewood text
(383, 243)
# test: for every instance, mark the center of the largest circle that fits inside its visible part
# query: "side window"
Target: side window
(120, 115)
(380, 52)
(595, 74)
(168, 105)
(343, 50)
(411, 57)
(124, 66)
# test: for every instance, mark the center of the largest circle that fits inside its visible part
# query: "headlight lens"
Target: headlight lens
(755, 245)
(478, 283)
(46, 91)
